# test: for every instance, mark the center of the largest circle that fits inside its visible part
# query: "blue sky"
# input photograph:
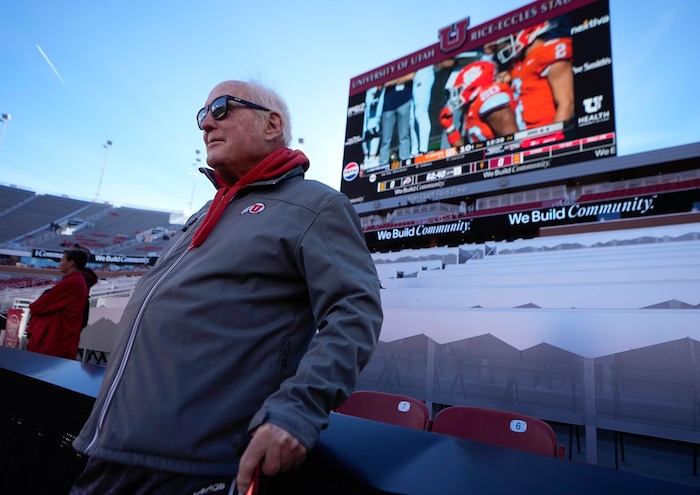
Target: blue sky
(78, 73)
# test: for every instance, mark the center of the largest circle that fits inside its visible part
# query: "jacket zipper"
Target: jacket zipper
(122, 363)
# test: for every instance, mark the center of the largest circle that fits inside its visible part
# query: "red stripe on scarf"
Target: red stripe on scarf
(272, 166)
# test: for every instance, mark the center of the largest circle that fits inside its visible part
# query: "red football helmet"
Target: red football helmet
(513, 45)
(469, 81)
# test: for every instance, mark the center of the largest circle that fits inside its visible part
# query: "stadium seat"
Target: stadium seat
(387, 408)
(496, 427)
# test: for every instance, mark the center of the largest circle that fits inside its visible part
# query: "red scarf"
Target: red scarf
(274, 165)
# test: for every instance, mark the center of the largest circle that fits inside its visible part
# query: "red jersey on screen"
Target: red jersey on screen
(533, 96)
(492, 97)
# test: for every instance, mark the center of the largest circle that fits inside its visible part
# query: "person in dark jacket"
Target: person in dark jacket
(57, 316)
(251, 327)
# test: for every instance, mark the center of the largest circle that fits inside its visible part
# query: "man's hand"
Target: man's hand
(272, 446)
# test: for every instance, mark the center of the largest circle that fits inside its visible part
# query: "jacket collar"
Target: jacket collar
(210, 174)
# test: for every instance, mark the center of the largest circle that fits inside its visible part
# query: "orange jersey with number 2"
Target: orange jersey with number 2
(533, 96)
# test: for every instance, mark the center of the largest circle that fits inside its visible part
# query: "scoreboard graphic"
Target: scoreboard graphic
(423, 123)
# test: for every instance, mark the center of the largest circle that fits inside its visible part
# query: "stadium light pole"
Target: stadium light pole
(6, 117)
(194, 177)
(106, 146)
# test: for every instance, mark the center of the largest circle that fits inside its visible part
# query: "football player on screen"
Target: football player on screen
(487, 106)
(371, 128)
(539, 60)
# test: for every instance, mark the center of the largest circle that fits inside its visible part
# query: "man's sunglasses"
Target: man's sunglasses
(219, 107)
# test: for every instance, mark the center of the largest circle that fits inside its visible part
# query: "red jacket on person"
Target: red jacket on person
(57, 318)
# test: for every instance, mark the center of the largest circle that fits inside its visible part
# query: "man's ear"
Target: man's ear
(274, 127)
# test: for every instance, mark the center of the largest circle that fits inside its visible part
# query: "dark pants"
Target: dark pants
(110, 478)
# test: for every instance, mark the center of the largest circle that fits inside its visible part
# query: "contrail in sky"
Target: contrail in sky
(52, 66)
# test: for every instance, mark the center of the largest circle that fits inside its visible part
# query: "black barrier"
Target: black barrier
(38, 422)
(45, 401)
(39, 418)
(393, 459)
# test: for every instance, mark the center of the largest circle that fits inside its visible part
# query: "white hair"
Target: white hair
(269, 98)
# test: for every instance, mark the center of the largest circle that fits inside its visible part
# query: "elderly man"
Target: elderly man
(249, 329)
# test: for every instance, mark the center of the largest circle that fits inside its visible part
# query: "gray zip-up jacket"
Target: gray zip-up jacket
(269, 320)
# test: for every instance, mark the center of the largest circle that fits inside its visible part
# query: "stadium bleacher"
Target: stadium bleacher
(646, 189)
(24, 282)
(36, 214)
(35, 221)
(11, 197)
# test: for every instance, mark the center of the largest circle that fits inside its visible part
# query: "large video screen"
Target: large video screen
(527, 92)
